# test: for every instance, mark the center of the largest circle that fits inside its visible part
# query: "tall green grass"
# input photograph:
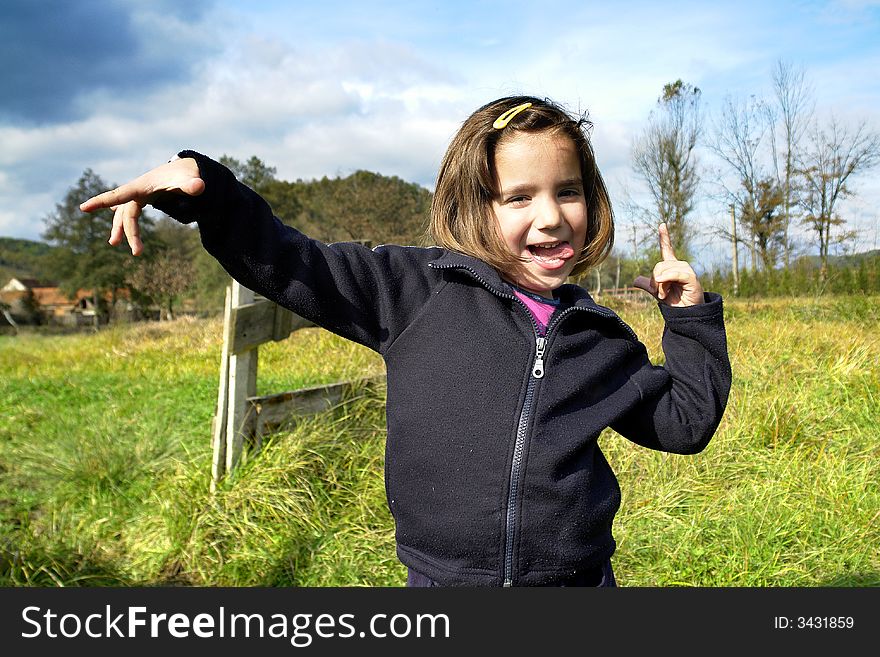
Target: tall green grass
(105, 463)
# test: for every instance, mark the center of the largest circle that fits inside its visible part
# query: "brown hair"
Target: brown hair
(462, 219)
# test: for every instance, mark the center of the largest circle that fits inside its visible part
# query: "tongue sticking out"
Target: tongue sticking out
(562, 250)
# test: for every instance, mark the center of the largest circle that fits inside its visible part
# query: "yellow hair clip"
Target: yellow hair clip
(505, 118)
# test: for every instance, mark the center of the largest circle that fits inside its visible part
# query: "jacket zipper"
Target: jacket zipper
(521, 427)
(516, 465)
(537, 373)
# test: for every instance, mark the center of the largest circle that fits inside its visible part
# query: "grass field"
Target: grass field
(105, 463)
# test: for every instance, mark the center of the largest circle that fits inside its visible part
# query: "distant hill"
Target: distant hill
(842, 262)
(23, 259)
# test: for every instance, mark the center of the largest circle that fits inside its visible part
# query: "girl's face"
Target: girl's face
(541, 209)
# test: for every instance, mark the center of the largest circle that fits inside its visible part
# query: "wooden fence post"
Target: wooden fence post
(242, 384)
(218, 431)
(238, 383)
(241, 416)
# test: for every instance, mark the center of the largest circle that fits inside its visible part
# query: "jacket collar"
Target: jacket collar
(571, 295)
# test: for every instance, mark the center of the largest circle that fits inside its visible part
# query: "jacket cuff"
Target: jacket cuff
(207, 205)
(712, 305)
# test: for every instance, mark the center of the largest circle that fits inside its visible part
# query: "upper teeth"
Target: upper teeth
(544, 246)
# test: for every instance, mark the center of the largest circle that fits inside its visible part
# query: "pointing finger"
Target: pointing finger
(178, 176)
(118, 196)
(666, 251)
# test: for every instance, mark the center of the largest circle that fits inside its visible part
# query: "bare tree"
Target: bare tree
(637, 229)
(163, 279)
(833, 157)
(663, 156)
(742, 139)
(795, 107)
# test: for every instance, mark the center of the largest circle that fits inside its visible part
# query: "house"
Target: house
(21, 285)
(32, 301)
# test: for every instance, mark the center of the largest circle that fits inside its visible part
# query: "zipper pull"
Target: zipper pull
(538, 369)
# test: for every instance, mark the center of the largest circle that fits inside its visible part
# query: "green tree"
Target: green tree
(21, 258)
(83, 260)
(29, 310)
(284, 199)
(254, 173)
(361, 206)
(370, 206)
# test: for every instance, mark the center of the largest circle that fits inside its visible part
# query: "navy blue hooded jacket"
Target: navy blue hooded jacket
(493, 472)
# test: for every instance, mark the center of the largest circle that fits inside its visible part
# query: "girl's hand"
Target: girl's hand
(673, 281)
(180, 176)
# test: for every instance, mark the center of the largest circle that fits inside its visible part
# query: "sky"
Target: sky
(326, 88)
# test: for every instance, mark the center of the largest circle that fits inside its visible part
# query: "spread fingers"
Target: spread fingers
(130, 214)
(116, 229)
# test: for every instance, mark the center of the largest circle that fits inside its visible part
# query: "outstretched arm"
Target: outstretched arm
(365, 295)
(179, 176)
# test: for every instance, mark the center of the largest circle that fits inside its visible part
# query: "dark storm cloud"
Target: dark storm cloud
(52, 52)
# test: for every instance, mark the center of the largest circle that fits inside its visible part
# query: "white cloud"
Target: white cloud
(307, 113)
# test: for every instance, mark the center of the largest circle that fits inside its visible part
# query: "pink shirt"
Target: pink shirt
(541, 310)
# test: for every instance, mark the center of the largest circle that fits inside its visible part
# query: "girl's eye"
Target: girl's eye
(570, 192)
(518, 200)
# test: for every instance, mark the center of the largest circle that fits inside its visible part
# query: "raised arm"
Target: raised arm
(683, 401)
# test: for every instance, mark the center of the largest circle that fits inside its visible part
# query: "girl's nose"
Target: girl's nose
(549, 216)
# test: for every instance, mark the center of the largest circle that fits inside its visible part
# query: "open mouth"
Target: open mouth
(551, 253)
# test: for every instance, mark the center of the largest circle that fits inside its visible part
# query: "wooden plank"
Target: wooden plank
(259, 322)
(276, 411)
(252, 324)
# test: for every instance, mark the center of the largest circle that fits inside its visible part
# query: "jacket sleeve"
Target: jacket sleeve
(682, 402)
(346, 288)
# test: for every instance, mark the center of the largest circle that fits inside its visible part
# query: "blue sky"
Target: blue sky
(325, 88)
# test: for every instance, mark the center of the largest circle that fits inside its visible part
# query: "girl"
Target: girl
(500, 375)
